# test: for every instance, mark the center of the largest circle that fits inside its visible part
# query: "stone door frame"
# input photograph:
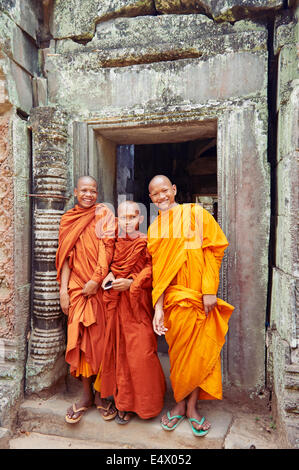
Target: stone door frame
(241, 164)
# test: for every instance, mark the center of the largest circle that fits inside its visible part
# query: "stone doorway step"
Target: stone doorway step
(41, 425)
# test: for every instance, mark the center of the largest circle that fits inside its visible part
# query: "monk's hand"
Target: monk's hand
(109, 277)
(209, 302)
(64, 301)
(122, 284)
(90, 288)
(158, 322)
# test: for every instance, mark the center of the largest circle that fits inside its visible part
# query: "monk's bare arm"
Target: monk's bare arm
(158, 321)
(64, 296)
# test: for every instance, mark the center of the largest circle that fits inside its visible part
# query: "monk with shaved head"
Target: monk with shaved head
(187, 246)
(130, 370)
(85, 250)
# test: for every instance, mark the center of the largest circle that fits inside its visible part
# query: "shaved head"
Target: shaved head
(159, 179)
(129, 217)
(162, 192)
(86, 191)
(125, 205)
(86, 180)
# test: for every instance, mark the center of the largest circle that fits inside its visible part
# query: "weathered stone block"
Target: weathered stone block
(284, 30)
(40, 91)
(75, 85)
(5, 436)
(287, 245)
(25, 13)
(22, 83)
(220, 10)
(127, 41)
(283, 305)
(17, 45)
(288, 131)
(16, 88)
(287, 73)
(77, 18)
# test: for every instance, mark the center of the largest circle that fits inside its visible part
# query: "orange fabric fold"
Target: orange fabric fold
(131, 370)
(86, 241)
(186, 266)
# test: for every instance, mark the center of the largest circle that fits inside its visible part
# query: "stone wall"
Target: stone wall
(283, 334)
(85, 75)
(18, 65)
(195, 71)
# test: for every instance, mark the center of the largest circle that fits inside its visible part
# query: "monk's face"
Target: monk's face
(162, 193)
(129, 218)
(86, 193)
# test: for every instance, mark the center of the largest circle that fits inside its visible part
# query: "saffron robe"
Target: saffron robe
(187, 246)
(86, 240)
(131, 370)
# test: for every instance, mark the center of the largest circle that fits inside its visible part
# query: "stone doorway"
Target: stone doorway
(241, 164)
(124, 161)
(96, 147)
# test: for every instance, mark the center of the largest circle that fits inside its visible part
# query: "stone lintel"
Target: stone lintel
(219, 10)
(126, 41)
(181, 83)
(73, 20)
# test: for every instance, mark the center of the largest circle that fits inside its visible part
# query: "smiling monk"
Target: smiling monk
(187, 246)
(85, 250)
(131, 370)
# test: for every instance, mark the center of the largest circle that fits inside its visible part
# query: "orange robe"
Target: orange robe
(187, 246)
(131, 370)
(86, 240)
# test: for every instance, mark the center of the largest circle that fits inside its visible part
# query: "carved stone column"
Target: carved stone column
(47, 342)
(6, 233)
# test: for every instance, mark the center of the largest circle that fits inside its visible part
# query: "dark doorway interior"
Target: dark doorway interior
(191, 165)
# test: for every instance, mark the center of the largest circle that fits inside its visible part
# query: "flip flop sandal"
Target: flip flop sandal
(170, 418)
(75, 410)
(120, 420)
(108, 417)
(198, 432)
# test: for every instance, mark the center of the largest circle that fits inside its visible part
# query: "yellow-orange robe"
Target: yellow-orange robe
(86, 240)
(187, 246)
(131, 370)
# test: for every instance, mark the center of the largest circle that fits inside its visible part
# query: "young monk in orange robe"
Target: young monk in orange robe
(85, 250)
(131, 370)
(187, 246)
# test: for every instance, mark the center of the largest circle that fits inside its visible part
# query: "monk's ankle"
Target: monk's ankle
(179, 409)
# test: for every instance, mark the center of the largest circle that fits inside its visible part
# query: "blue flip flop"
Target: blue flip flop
(198, 432)
(178, 417)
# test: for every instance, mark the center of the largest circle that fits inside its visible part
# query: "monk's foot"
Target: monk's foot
(123, 417)
(171, 419)
(74, 413)
(200, 423)
(106, 408)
